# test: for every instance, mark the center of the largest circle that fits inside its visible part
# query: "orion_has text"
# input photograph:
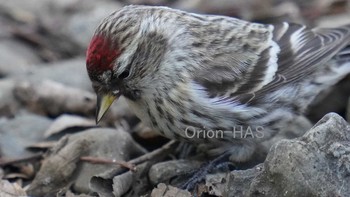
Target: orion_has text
(235, 132)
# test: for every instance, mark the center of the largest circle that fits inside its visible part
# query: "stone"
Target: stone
(63, 166)
(317, 164)
(16, 57)
(168, 170)
(21, 131)
(8, 104)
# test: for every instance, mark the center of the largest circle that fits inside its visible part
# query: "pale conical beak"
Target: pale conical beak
(103, 104)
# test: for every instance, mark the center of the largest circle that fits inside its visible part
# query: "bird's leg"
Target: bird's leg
(220, 163)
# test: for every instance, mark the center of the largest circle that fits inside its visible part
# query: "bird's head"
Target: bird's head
(124, 56)
(101, 58)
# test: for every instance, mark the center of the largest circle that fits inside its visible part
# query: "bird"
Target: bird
(206, 79)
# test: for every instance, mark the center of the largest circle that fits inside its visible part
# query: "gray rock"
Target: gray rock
(81, 26)
(168, 170)
(66, 122)
(238, 183)
(25, 8)
(52, 98)
(69, 72)
(317, 164)
(63, 166)
(18, 133)
(169, 191)
(16, 57)
(8, 104)
(8, 189)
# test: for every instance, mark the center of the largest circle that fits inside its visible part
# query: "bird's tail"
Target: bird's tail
(337, 68)
(343, 56)
(341, 65)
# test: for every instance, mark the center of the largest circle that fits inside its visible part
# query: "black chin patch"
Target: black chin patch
(133, 95)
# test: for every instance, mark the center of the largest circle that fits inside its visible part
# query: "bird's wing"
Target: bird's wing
(303, 50)
(294, 52)
(242, 62)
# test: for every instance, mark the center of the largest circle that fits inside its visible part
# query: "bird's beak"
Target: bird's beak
(103, 103)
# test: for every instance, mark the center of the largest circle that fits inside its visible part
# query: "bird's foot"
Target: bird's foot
(219, 164)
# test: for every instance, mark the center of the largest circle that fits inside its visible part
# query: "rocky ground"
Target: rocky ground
(50, 145)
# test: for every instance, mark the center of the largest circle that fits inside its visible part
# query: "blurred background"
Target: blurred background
(44, 88)
(44, 31)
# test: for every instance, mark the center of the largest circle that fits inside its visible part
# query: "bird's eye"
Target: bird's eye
(124, 74)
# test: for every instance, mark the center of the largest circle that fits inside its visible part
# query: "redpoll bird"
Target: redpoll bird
(186, 75)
